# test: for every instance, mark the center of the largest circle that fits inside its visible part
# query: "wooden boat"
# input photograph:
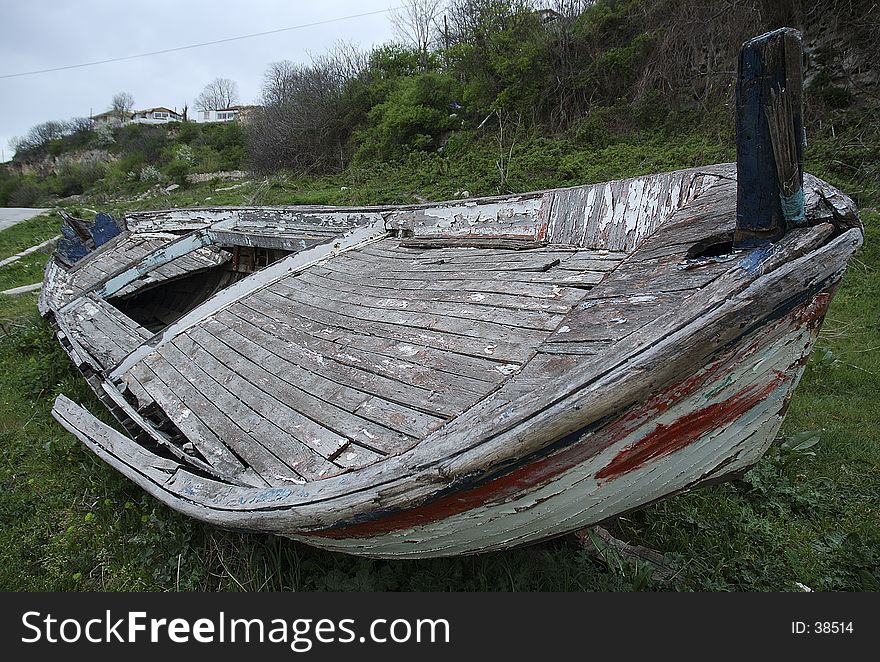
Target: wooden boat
(448, 378)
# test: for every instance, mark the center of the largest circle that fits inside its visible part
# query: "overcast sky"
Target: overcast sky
(43, 34)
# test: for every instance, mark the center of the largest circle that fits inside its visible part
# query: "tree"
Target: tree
(414, 22)
(38, 138)
(220, 93)
(299, 126)
(122, 105)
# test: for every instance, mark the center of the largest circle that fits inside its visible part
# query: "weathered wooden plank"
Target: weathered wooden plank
(388, 250)
(253, 387)
(296, 337)
(314, 217)
(77, 421)
(611, 319)
(528, 261)
(331, 378)
(578, 279)
(204, 422)
(769, 68)
(475, 242)
(191, 263)
(171, 220)
(310, 392)
(103, 331)
(107, 260)
(661, 275)
(487, 348)
(501, 217)
(152, 260)
(246, 432)
(586, 348)
(479, 369)
(329, 402)
(218, 459)
(541, 291)
(104, 350)
(463, 277)
(119, 319)
(587, 260)
(534, 320)
(454, 327)
(489, 301)
(297, 241)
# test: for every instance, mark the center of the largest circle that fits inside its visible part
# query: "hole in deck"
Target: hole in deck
(155, 306)
(714, 246)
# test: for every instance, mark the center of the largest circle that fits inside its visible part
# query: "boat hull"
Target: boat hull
(713, 424)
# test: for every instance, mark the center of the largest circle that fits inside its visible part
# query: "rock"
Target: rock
(173, 187)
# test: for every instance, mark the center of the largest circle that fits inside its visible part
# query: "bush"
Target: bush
(26, 194)
(414, 117)
(177, 171)
(150, 173)
(76, 178)
(104, 136)
(184, 153)
(142, 141)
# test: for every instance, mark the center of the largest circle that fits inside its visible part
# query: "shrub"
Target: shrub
(76, 178)
(26, 194)
(177, 171)
(150, 173)
(185, 154)
(414, 117)
(143, 141)
(104, 136)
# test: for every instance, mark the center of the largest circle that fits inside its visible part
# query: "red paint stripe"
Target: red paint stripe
(517, 481)
(666, 439)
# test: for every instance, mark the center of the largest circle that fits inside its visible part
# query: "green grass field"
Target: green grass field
(807, 514)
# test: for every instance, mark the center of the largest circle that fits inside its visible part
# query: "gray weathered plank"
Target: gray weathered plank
(535, 320)
(290, 338)
(309, 389)
(258, 431)
(194, 413)
(458, 332)
(476, 368)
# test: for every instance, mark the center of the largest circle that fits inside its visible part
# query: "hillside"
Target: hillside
(514, 100)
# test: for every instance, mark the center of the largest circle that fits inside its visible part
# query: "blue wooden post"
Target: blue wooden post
(769, 138)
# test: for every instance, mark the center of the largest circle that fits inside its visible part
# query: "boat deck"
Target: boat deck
(360, 357)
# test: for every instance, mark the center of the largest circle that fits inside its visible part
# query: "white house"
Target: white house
(159, 115)
(229, 114)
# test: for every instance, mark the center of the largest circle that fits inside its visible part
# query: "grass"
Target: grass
(803, 515)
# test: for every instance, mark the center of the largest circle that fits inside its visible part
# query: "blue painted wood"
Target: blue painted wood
(70, 250)
(104, 229)
(766, 64)
(68, 232)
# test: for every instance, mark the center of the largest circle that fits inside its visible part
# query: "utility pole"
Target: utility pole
(446, 41)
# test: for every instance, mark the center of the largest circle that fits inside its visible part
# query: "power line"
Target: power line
(191, 46)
